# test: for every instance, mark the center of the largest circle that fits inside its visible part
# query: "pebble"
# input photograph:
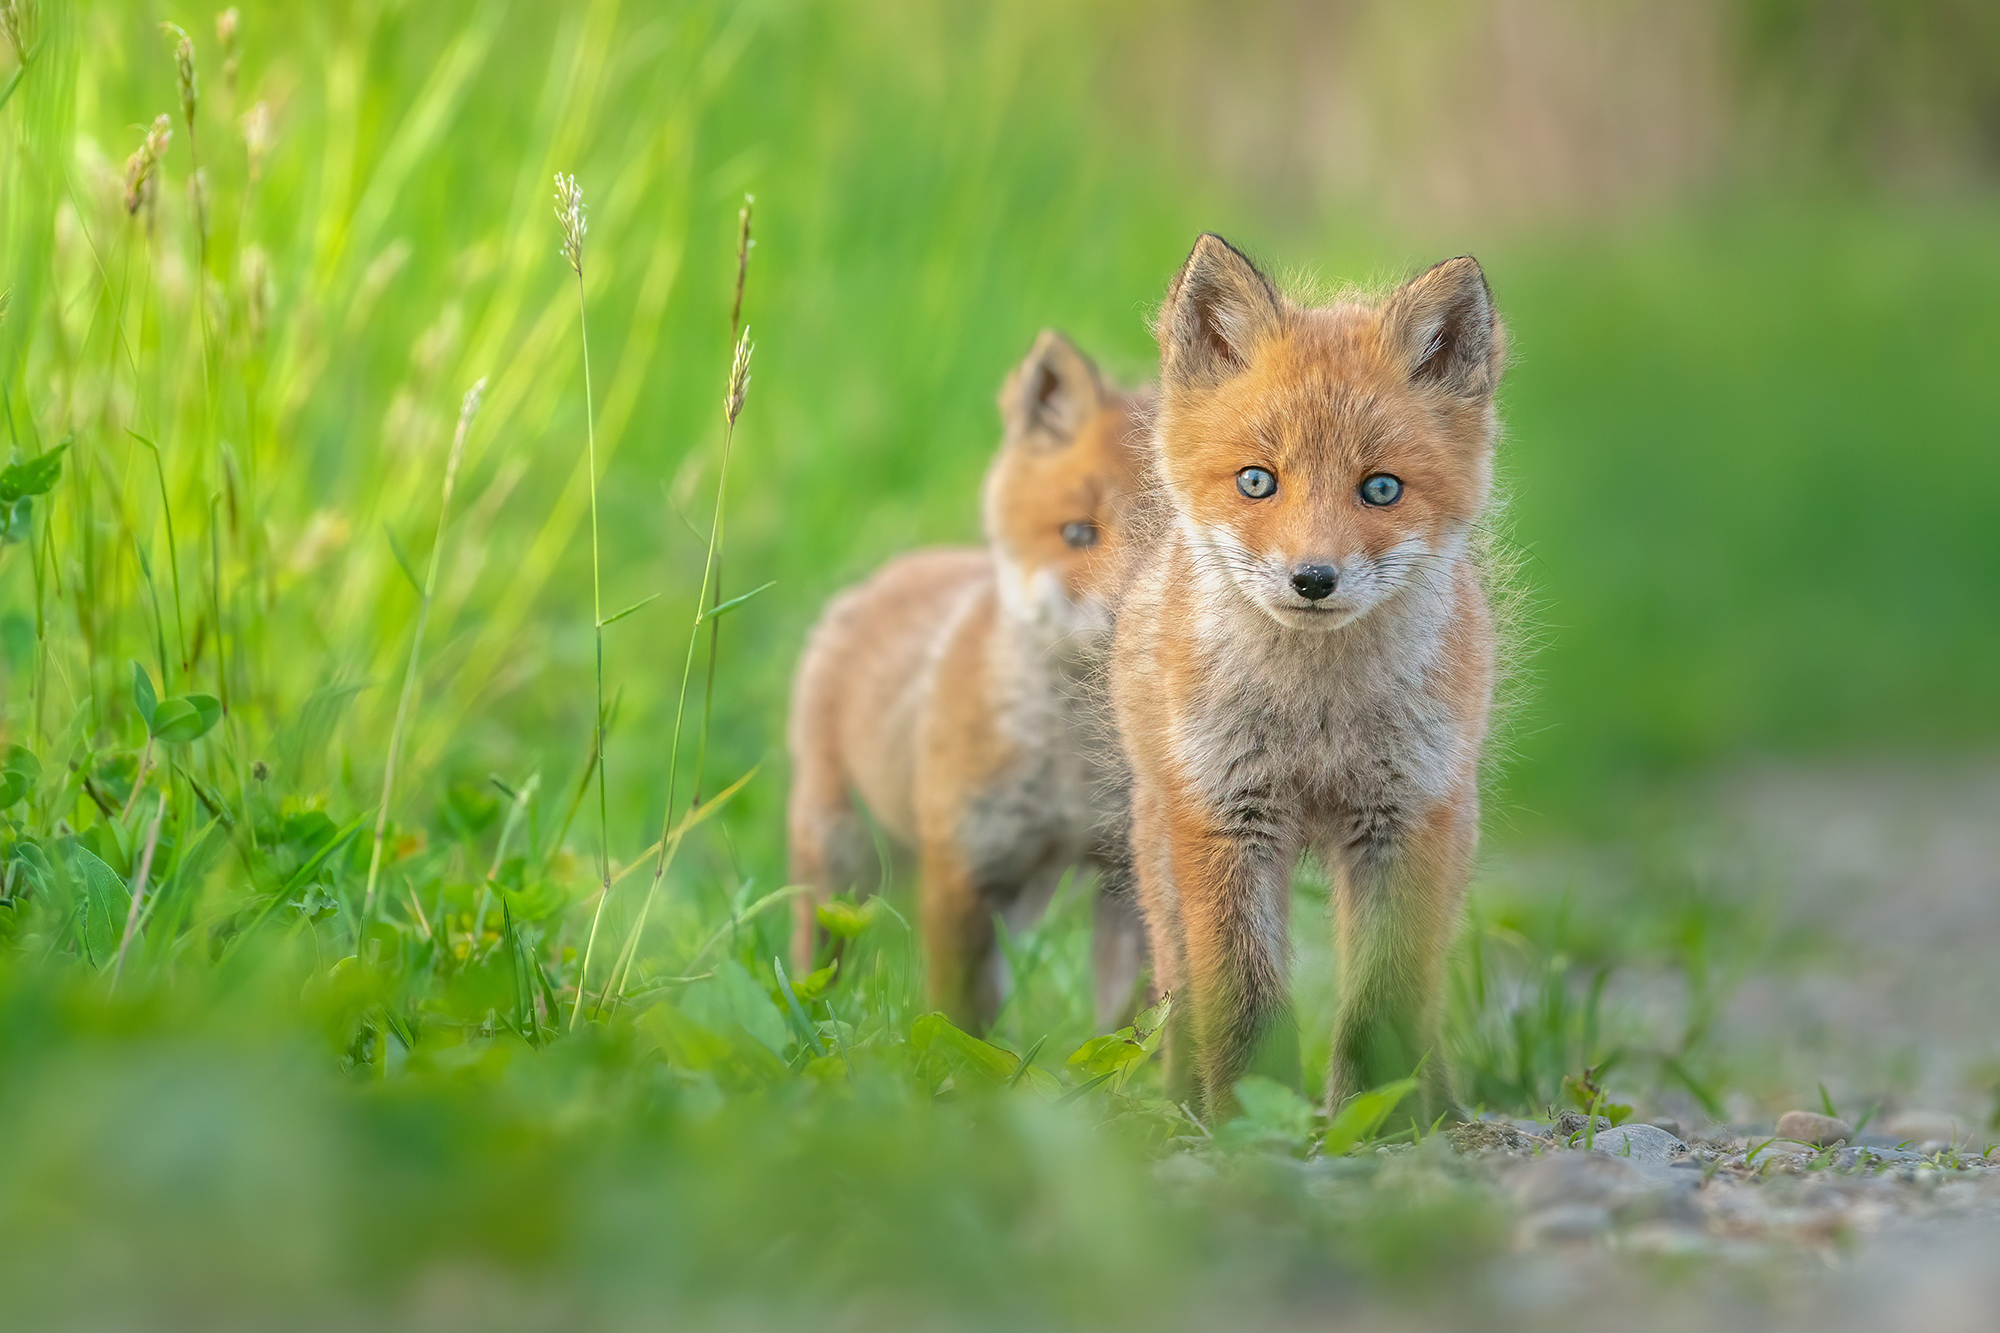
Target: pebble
(1639, 1143)
(1814, 1128)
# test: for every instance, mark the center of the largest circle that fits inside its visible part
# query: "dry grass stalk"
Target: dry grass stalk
(570, 216)
(139, 890)
(670, 834)
(744, 243)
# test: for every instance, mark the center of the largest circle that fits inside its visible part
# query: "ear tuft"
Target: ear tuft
(1052, 393)
(1219, 310)
(1442, 325)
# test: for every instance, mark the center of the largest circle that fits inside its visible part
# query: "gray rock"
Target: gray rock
(1811, 1127)
(1639, 1143)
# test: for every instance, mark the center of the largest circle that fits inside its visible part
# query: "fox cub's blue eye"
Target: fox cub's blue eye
(1381, 489)
(1081, 533)
(1255, 482)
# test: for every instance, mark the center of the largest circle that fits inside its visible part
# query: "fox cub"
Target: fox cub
(1304, 659)
(957, 691)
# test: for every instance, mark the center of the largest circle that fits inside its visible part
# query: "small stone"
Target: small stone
(1814, 1128)
(1640, 1143)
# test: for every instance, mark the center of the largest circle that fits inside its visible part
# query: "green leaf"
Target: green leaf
(186, 718)
(617, 616)
(731, 1001)
(810, 988)
(934, 1034)
(1107, 1055)
(142, 694)
(104, 901)
(1127, 1046)
(807, 1032)
(724, 608)
(1080, 1089)
(177, 714)
(33, 476)
(18, 775)
(307, 830)
(843, 919)
(1363, 1115)
(1271, 1112)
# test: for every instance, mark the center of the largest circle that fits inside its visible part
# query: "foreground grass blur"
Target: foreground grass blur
(1742, 446)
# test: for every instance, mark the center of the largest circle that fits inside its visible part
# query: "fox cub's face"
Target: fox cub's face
(1323, 459)
(1055, 496)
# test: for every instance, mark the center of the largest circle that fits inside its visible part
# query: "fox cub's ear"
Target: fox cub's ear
(1443, 326)
(1051, 394)
(1218, 311)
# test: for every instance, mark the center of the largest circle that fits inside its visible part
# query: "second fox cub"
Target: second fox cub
(953, 694)
(1304, 658)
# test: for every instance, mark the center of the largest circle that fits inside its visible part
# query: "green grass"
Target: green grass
(1749, 456)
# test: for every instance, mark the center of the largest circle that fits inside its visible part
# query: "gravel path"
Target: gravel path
(1883, 886)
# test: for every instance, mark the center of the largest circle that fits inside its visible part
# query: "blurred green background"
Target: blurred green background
(1746, 252)
(1748, 427)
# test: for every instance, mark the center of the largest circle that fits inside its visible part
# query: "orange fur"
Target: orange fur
(1303, 671)
(952, 695)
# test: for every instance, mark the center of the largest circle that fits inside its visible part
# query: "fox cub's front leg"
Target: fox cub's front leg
(1399, 885)
(1229, 864)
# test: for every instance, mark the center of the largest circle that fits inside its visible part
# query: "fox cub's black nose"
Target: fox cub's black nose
(1314, 582)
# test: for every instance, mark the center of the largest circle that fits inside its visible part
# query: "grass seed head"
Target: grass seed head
(142, 166)
(225, 37)
(468, 408)
(256, 137)
(17, 23)
(256, 276)
(739, 377)
(184, 73)
(569, 212)
(744, 244)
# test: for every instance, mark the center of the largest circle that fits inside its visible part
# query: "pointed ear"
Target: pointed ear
(1051, 394)
(1443, 326)
(1219, 310)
